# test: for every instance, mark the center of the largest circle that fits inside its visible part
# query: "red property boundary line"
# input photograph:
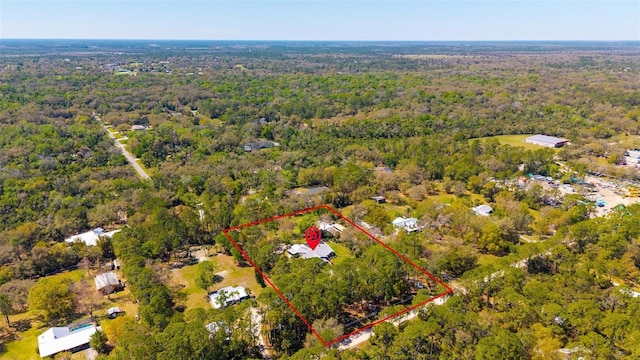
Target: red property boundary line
(331, 209)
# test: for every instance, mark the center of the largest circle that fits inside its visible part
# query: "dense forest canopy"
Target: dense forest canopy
(229, 130)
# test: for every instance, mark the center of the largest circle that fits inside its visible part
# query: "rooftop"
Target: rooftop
(106, 279)
(58, 339)
(484, 210)
(547, 139)
(91, 237)
(409, 224)
(227, 296)
(322, 251)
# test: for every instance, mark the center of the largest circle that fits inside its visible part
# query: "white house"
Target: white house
(91, 237)
(322, 251)
(333, 228)
(59, 339)
(548, 141)
(482, 210)
(228, 296)
(408, 224)
(632, 157)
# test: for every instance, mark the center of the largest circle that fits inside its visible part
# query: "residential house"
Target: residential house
(482, 210)
(408, 224)
(59, 339)
(548, 141)
(261, 144)
(322, 251)
(632, 157)
(139, 127)
(107, 283)
(91, 237)
(379, 199)
(227, 296)
(332, 228)
(382, 168)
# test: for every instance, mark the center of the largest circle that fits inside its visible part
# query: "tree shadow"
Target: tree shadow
(21, 325)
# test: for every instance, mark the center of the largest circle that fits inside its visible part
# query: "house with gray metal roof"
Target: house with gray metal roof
(548, 141)
(322, 251)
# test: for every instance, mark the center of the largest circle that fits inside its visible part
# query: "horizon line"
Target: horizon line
(327, 40)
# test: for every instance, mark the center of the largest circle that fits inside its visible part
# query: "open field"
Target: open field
(232, 275)
(342, 253)
(515, 140)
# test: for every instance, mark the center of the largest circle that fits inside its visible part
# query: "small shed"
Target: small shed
(107, 283)
(113, 312)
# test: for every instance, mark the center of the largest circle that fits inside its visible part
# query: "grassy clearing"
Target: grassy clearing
(235, 276)
(342, 253)
(232, 275)
(25, 347)
(487, 259)
(196, 297)
(514, 140)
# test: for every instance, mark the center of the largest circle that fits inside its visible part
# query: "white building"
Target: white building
(482, 210)
(322, 251)
(228, 296)
(632, 157)
(333, 228)
(91, 237)
(548, 141)
(408, 224)
(59, 339)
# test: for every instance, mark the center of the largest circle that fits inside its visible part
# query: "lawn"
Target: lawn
(487, 259)
(196, 297)
(342, 253)
(514, 140)
(232, 275)
(26, 346)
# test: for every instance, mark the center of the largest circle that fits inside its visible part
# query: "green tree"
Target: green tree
(457, 261)
(53, 298)
(98, 342)
(206, 275)
(6, 307)
(505, 345)
(491, 240)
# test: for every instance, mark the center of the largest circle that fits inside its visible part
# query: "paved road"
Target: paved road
(130, 158)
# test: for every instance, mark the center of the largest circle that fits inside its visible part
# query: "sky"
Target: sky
(411, 20)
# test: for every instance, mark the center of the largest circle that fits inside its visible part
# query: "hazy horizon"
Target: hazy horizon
(308, 20)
